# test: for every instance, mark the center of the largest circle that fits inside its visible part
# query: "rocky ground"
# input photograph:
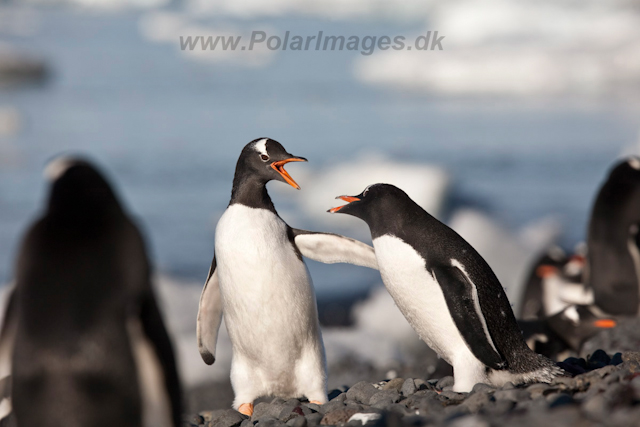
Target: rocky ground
(604, 391)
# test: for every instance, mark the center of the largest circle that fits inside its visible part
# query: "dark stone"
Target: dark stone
(481, 387)
(194, 419)
(453, 396)
(314, 419)
(616, 359)
(290, 411)
(226, 418)
(445, 382)
(501, 407)
(264, 409)
(408, 387)
(513, 394)
(598, 360)
(339, 398)
(334, 405)
(340, 416)
(423, 385)
(269, 422)
(476, 401)
(297, 422)
(333, 394)
(313, 407)
(561, 400)
(384, 398)
(361, 392)
(417, 399)
(572, 369)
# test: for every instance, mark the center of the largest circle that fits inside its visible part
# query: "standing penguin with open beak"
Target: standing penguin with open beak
(258, 278)
(447, 292)
(83, 337)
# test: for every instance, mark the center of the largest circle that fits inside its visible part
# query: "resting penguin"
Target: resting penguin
(613, 258)
(447, 292)
(83, 332)
(259, 280)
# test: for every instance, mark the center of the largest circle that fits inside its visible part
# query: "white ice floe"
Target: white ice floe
(527, 48)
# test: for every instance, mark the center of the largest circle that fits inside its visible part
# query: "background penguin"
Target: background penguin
(260, 281)
(562, 335)
(532, 306)
(86, 339)
(613, 258)
(447, 292)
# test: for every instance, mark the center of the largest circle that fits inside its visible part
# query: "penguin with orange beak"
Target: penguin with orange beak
(259, 280)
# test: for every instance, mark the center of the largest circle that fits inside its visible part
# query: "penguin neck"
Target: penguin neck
(251, 192)
(400, 218)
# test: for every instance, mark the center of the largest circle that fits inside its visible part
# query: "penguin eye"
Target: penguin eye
(264, 157)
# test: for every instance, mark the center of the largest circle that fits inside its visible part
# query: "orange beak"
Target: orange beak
(605, 323)
(546, 271)
(346, 199)
(279, 167)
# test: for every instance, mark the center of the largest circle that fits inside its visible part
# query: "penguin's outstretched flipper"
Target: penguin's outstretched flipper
(209, 316)
(332, 248)
(461, 296)
(7, 337)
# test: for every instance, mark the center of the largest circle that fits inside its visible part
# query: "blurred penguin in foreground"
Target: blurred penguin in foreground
(83, 338)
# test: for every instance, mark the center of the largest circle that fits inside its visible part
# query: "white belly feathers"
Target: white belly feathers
(419, 297)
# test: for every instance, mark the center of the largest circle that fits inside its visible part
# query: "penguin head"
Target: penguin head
(78, 189)
(264, 159)
(628, 170)
(375, 201)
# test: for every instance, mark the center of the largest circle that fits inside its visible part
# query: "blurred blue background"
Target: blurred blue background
(525, 109)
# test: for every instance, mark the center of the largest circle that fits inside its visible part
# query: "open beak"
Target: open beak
(346, 199)
(279, 167)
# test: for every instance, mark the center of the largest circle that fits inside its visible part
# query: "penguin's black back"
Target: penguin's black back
(394, 213)
(82, 271)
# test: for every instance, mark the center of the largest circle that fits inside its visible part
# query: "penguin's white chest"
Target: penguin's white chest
(419, 297)
(269, 302)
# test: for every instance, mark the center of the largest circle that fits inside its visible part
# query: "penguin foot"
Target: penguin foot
(317, 402)
(246, 409)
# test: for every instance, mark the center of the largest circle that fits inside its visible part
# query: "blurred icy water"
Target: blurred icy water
(169, 130)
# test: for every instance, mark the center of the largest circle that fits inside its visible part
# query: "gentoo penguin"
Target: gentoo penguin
(532, 306)
(83, 331)
(447, 291)
(613, 258)
(562, 335)
(260, 281)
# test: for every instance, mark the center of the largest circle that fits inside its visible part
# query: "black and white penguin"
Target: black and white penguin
(259, 280)
(447, 292)
(85, 339)
(562, 335)
(613, 257)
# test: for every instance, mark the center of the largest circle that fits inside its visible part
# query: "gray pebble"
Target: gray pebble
(384, 398)
(445, 382)
(361, 392)
(408, 387)
(247, 423)
(264, 409)
(477, 401)
(297, 422)
(340, 416)
(481, 387)
(269, 422)
(423, 385)
(226, 418)
(513, 394)
(314, 419)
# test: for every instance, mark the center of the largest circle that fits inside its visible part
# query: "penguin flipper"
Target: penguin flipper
(332, 248)
(154, 330)
(209, 316)
(7, 337)
(462, 299)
